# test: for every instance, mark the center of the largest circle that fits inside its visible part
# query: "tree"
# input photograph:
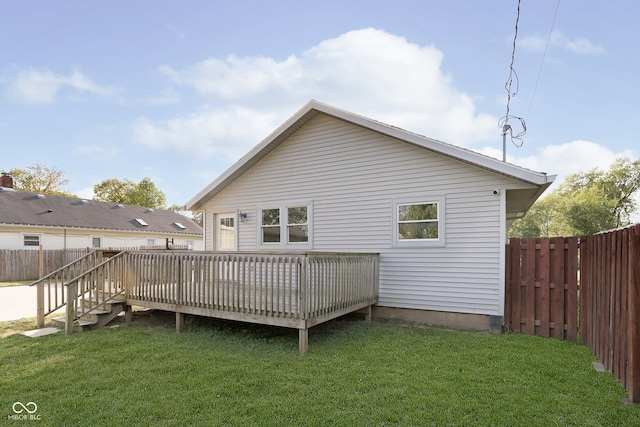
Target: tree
(585, 203)
(113, 190)
(145, 193)
(41, 179)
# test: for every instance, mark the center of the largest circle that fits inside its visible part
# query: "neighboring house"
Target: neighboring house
(28, 220)
(331, 181)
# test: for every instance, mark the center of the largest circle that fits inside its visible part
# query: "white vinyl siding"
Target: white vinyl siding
(355, 178)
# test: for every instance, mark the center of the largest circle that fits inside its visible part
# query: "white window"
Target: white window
(151, 242)
(285, 227)
(96, 242)
(31, 240)
(419, 223)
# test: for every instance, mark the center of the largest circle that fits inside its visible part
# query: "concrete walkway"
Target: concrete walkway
(17, 302)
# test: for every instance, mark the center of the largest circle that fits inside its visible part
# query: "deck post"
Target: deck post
(71, 303)
(367, 313)
(40, 305)
(128, 315)
(179, 322)
(303, 341)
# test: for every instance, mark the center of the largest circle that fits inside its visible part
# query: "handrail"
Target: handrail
(49, 286)
(95, 268)
(62, 268)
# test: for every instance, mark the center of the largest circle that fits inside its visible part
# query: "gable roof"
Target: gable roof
(47, 210)
(313, 108)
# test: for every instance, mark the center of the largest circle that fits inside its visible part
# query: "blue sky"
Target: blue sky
(178, 90)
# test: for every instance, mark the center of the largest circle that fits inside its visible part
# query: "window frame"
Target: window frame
(284, 225)
(101, 241)
(29, 235)
(439, 201)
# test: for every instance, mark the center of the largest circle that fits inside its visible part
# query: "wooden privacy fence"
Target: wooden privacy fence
(24, 264)
(610, 303)
(561, 286)
(542, 287)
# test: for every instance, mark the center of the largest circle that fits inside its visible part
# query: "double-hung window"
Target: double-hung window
(285, 226)
(419, 223)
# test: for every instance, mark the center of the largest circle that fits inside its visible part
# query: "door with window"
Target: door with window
(226, 232)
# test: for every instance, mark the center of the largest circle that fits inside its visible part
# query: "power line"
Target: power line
(535, 87)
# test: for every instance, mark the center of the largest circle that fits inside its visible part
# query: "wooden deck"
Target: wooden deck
(294, 290)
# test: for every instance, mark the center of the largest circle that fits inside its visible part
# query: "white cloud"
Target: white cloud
(84, 193)
(578, 45)
(33, 86)
(370, 72)
(565, 159)
(213, 132)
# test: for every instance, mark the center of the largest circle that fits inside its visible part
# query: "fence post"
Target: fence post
(633, 346)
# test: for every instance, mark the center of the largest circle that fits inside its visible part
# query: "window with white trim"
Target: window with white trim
(31, 240)
(96, 242)
(419, 223)
(270, 226)
(297, 224)
(285, 226)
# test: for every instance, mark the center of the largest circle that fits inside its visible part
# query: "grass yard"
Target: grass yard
(356, 374)
(18, 283)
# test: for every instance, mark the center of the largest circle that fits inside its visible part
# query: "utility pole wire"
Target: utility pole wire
(544, 55)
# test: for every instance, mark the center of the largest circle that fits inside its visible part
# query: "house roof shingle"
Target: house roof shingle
(46, 210)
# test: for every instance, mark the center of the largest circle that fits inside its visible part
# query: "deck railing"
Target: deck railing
(50, 291)
(293, 289)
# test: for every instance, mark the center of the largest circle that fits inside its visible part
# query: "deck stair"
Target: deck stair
(96, 314)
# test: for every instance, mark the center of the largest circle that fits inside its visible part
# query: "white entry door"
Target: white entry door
(226, 232)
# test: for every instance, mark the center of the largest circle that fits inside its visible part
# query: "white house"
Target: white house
(332, 181)
(28, 220)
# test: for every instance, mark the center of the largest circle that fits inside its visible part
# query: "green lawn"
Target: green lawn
(356, 374)
(18, 283)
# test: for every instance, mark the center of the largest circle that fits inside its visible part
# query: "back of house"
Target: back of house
(331, 181)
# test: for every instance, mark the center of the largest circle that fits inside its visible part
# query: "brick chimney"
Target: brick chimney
(6, 180)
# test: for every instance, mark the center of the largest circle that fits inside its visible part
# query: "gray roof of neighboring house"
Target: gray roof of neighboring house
(46, 210)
